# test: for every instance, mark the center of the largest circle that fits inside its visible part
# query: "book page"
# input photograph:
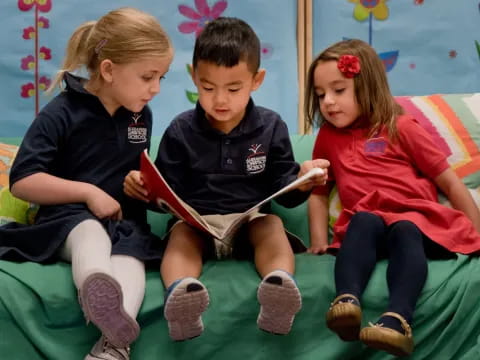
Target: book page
(244, 217)
(160, 192)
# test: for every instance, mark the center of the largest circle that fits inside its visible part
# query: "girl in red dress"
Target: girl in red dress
(387, 170)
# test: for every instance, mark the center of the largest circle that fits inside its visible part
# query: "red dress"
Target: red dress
(393, 180)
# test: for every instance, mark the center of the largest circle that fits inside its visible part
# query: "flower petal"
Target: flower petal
(202, 7)
(218, 8)
(189, 12)
(360, 13)
(188, 27)
(381, 11)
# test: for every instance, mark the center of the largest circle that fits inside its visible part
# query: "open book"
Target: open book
(161, 193)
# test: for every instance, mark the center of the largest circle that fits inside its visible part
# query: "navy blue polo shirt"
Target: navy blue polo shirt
(218, 173)
(75, 138)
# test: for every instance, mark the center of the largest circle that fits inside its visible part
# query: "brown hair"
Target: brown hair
(123, 35)
(372, 92)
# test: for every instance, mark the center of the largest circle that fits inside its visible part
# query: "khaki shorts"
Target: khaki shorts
(235, 245)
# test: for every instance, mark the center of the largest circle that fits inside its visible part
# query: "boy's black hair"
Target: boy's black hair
(226, 41)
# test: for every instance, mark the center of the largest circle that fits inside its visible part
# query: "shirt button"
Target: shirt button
(227, 142)
(229, 161)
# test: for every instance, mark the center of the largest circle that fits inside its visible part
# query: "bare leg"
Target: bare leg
(271, 246)
(278, 293)
(186, 297)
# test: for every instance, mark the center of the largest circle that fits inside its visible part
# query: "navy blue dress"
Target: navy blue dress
(75, 138)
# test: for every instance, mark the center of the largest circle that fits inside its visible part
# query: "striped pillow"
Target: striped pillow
(12, 209)
(454, 122)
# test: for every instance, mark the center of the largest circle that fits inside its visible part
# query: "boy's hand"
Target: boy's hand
(133, 186)
(315, 180)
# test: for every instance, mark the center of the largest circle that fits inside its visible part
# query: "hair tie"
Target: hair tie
(349, 65)
(100, 45)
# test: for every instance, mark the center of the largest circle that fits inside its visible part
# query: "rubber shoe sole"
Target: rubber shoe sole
(102, 303)
(279, 300)
(184, 307)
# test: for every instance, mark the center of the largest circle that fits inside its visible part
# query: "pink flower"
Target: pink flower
(44, 83)
(28, 62)
(45, 53)
(266, 50)
(349, 65)
(28, 33)
(43, 22)
(201, 16)
(42, 5)
(28, 90)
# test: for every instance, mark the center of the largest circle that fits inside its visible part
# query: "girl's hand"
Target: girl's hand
(315, 180)
(133, 186)
(103, 206)
(319, 249)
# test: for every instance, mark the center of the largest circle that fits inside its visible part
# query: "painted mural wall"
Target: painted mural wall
(35, 33)
(428, 46)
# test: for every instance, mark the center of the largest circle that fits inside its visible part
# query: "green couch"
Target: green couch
(40, 317)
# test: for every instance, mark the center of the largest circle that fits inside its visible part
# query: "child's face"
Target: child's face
(224, 92)
(335, 94)
(133, 85)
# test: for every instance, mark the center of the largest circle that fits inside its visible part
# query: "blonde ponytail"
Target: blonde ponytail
(76, 54)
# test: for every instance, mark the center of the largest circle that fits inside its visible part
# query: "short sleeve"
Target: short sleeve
(427, 157)
(320, 152)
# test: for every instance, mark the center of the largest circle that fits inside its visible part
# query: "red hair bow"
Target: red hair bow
(349, 65)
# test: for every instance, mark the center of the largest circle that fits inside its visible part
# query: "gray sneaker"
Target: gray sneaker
(279, 300)
(185, 301)
(103, 350)
(101, 300)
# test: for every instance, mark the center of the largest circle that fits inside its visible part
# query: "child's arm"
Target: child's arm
(458, 195)
(318, 221)
(45, 189)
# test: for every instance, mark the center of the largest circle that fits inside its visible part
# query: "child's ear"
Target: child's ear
(106, 70)
(258, 79)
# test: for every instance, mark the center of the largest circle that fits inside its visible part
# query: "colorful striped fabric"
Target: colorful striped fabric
(454, 122)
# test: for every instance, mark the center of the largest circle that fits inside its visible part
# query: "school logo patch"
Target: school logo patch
(137, 132)
(375, 146)
(257, 160)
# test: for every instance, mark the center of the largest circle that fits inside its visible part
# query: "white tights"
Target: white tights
(88, 247)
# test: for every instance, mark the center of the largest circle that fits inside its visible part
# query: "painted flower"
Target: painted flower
(349, 65)
(43, 22)
(363, 9)
(42, 5)
(29, 33)
(45, 53)
(201, 16)
(27, 63)
(43, 83)
(28, 90)
(266, 51)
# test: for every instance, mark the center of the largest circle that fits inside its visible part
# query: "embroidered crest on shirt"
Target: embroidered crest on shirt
(375, 146)
(257, 160)
(137, 132)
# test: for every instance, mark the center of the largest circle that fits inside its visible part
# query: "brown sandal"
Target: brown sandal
(345, 318)
(382, 338)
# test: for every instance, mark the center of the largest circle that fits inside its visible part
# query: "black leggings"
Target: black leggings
(369, 239)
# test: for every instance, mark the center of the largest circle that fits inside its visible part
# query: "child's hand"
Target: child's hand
(103, 205)
(315, 180)
(133, 186)
(317, 249)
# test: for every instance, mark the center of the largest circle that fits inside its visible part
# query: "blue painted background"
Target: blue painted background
(277, 34)
(435, 40)
(434, 43)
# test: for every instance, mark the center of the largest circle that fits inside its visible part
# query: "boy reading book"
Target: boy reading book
(222, 158)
